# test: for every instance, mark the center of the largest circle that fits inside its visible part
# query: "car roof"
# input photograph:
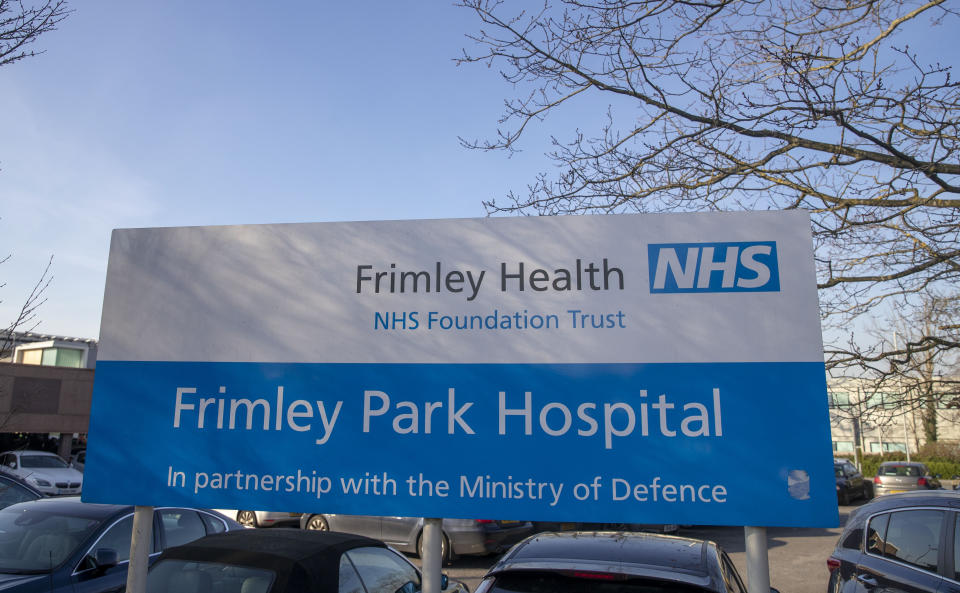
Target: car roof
(30, 451)
(71, 505)
(286, 551)
(919, 498)
(665, 557)
(909, 463)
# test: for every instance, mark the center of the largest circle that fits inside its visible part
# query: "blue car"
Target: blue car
(63, 545)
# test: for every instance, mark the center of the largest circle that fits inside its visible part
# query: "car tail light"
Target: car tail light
(598, 576)
(485, 521)
(876, 479)
(832, 564)
(922, 482)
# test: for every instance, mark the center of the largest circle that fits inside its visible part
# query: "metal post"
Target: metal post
(906, 439)
(758, 564)
(432, 561)
(141, 541)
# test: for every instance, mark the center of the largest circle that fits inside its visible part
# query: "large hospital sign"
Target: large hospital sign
(648, 369)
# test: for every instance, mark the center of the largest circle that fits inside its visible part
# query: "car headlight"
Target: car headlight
(39, 481)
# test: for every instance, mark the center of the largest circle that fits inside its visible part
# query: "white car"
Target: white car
(261, 518)
(46, 472)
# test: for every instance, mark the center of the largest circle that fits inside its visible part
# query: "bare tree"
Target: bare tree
(26, 320)
(735, 105)
(21, 23)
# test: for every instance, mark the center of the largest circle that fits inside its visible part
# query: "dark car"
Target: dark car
(901, 542)
(894, 477)
(607, 562)
(461, 537)
(850, 482)
(64, 545)
(14, 490)
(286, 560)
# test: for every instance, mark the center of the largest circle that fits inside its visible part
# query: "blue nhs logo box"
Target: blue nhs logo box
(714, 267)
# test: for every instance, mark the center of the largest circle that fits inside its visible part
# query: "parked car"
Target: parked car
(850, 482)
(286, 560)
(63, 545)
(612, 562)
(894, 477)
(460, 536)
(78, 460)
(14, 490)
(261, 518)
(46, 472)
(901, 542)
(668, 529)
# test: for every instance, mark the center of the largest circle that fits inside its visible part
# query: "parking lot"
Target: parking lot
(798, 557)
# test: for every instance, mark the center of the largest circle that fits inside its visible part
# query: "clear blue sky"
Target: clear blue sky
(145, 114)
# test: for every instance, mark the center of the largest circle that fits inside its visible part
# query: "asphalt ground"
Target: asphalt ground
(797, 556)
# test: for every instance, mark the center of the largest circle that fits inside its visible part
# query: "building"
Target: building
(884, 418)
(48, 350)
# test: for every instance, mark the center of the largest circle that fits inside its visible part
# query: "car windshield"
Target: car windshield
(585, 582)
(41, 461)
(900, 470)
(35, 540)
(177, 576)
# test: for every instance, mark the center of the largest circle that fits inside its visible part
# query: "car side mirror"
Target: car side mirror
(444, 581)
(106, 558)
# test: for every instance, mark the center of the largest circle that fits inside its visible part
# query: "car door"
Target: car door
(854, 478)
(367, 525)
(951, 581)
(399, 531)
(90, 579)
(904, 553)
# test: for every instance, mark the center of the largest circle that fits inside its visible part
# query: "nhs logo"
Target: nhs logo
(714, 267)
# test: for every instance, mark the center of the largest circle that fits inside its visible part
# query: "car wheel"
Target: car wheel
(844, 498)
(868, 490)
(247, 518)
(444, 548)
(318, 523)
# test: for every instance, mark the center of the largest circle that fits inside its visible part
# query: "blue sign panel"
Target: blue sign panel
(625, 442)
(597, 369)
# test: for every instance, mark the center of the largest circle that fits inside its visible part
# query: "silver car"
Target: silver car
(261, 518)
(900, 476)
(460, 536)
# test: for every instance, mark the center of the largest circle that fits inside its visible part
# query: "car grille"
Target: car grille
(68, 484)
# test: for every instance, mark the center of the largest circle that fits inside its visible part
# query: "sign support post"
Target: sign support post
(432, 554)
(758, 564)
(140, 544)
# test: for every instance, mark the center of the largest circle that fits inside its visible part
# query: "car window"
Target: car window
(36, 539)
(734, 584)
(877, 534)
(382, 570)
(852, 540)
(11, 493)
(349, 581)
(42, 461)
(182, 576)
(914, 537)
(838, 471)
(909, 471)
(181, 526)
(117, 538)
(956, 549)
(212, 524)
